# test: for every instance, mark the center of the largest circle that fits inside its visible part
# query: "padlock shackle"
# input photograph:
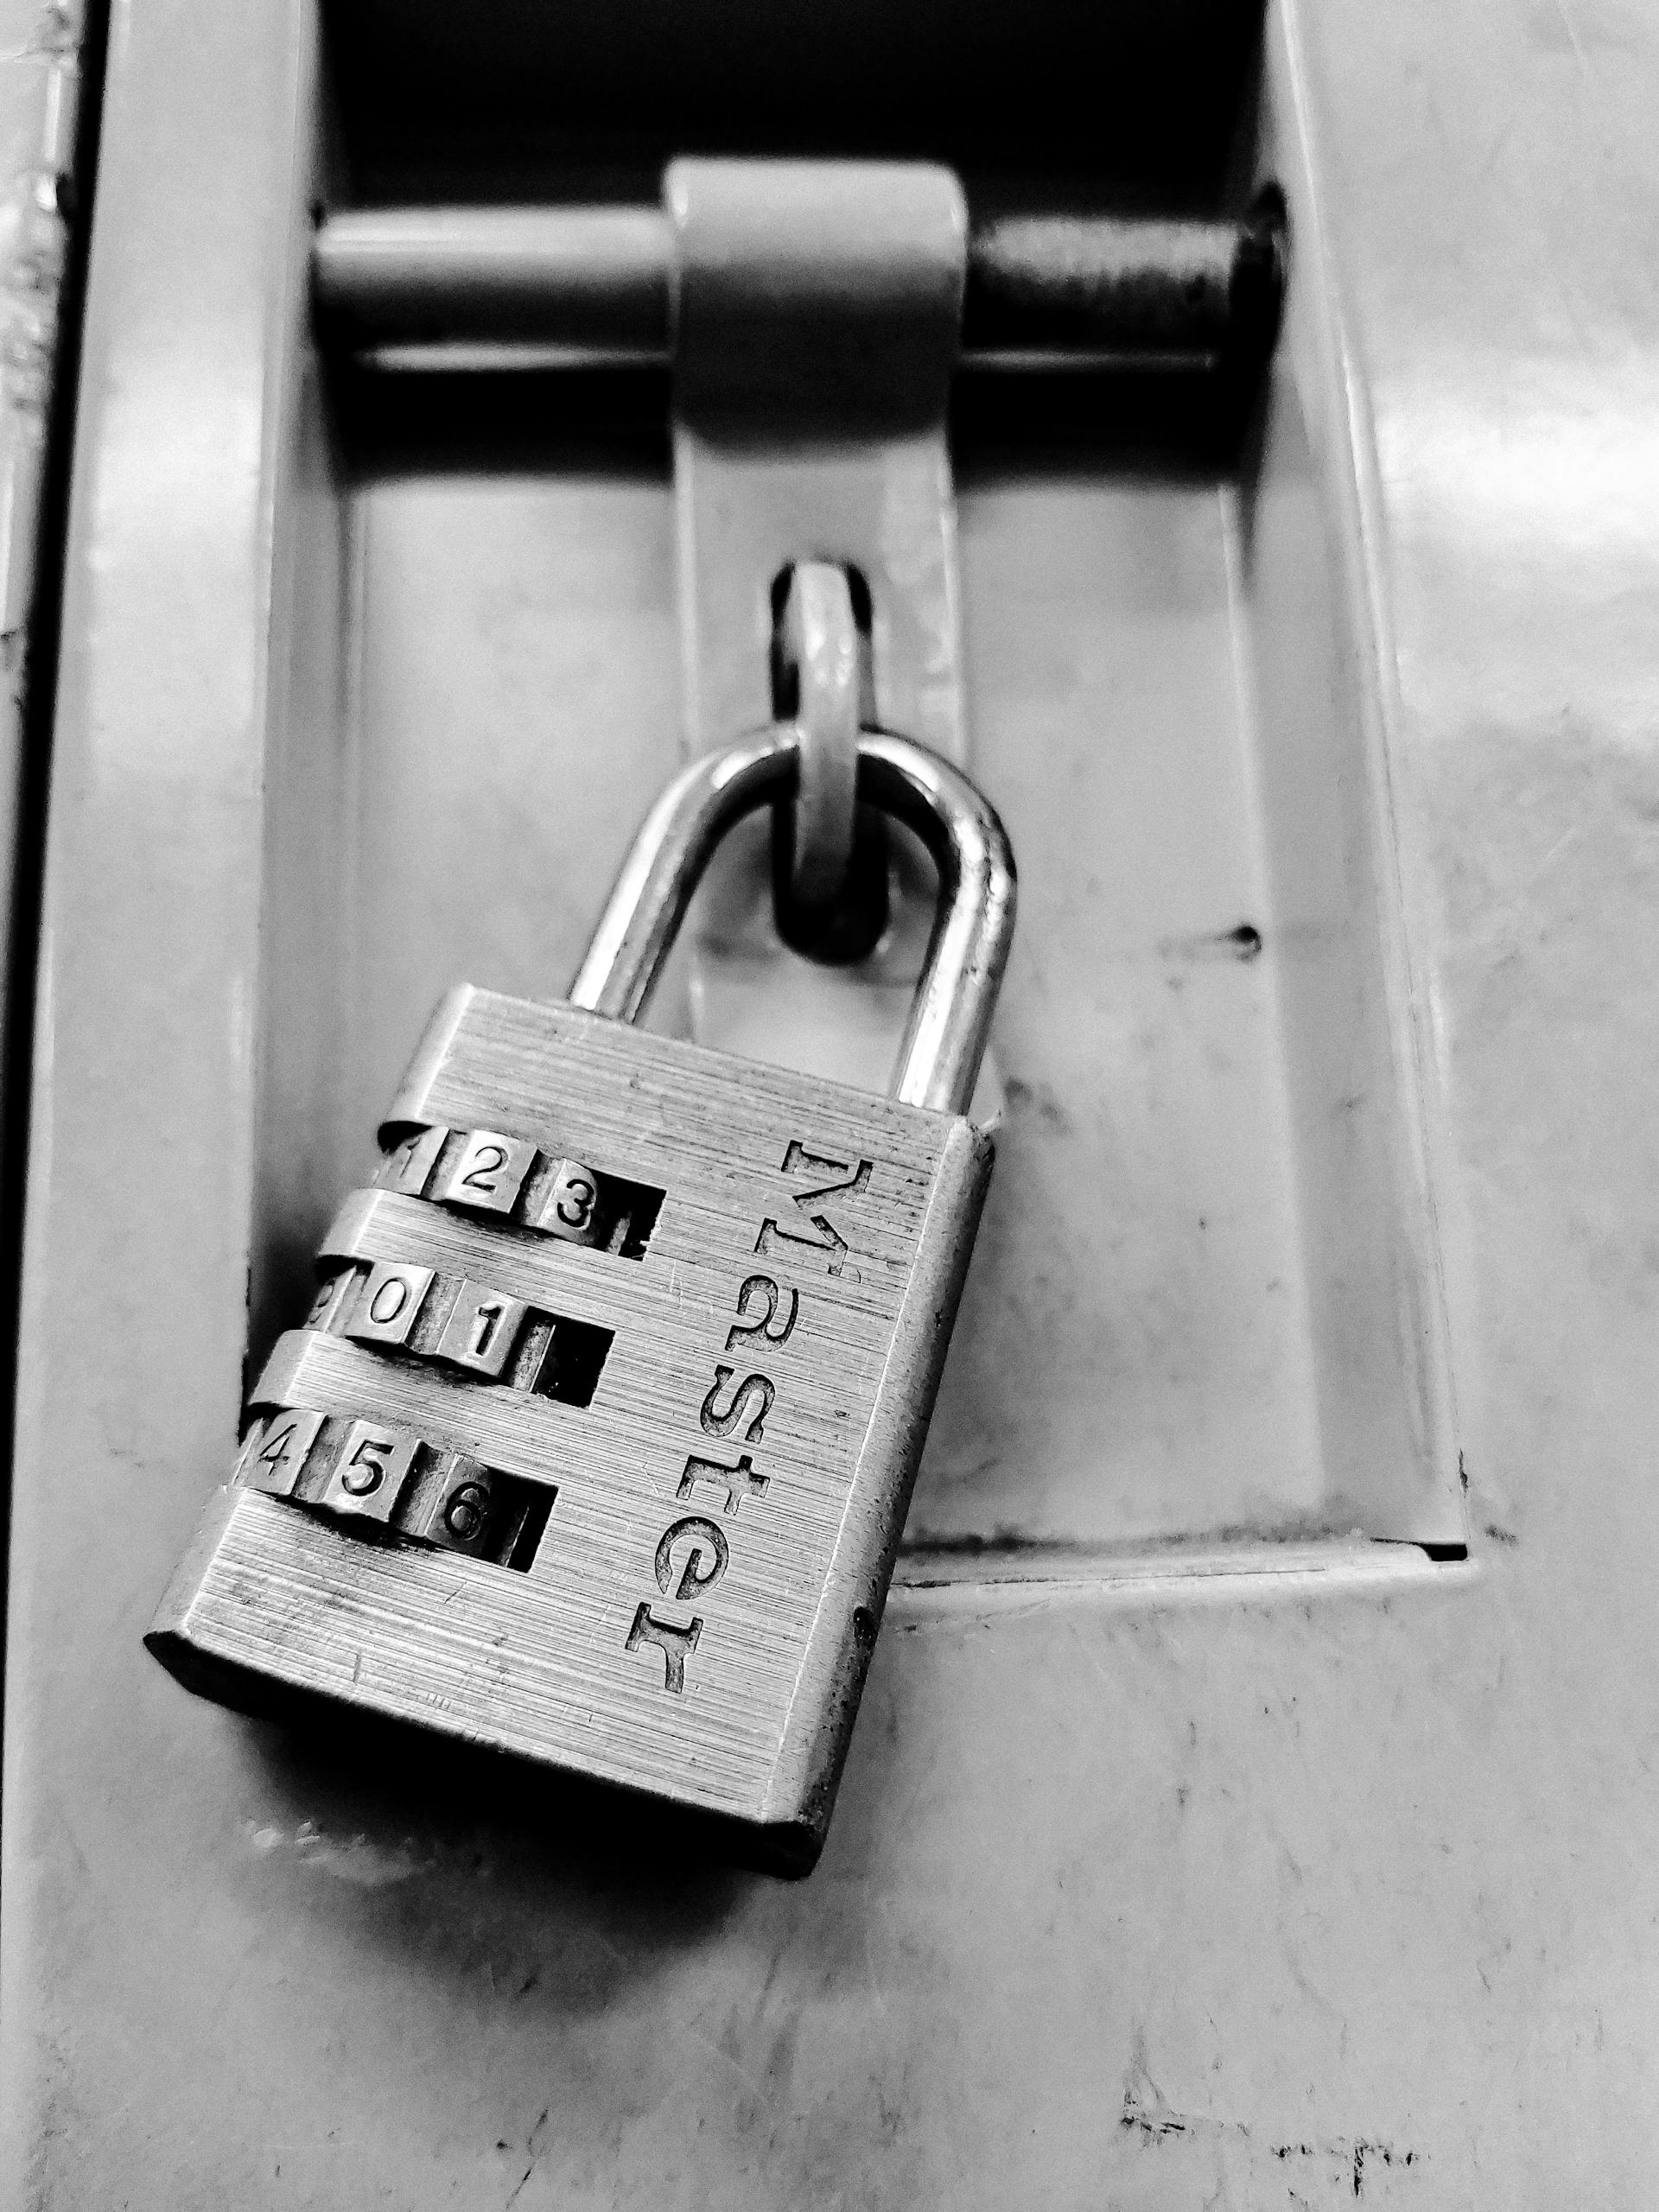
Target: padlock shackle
(950, 1016)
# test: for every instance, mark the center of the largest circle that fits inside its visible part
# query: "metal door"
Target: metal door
(1251, 1802)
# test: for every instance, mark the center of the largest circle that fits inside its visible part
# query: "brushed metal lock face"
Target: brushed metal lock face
(596, 1444)
(716, 1501)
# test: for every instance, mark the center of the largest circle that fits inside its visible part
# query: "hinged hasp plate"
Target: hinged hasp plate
(816, 316)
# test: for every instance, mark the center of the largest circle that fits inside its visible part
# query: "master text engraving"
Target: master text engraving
(767, 1293)
(707, 1556)
(738, 1483)
(674, 1641)
(720, 1420)
(847, 1180)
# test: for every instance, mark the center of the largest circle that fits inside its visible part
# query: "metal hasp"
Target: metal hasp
(815, 317)
(830, 863)
(814, 313)
(596, 1444)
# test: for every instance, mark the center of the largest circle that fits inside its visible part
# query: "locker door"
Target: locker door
(1250, 1799)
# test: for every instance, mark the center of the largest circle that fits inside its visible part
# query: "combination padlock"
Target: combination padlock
(597, 1444)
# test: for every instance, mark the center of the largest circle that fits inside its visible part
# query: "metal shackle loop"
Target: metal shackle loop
(950, 1015)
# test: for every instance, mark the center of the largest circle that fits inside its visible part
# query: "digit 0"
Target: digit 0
(389, 1301)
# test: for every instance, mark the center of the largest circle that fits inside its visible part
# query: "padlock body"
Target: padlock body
(597, 1445)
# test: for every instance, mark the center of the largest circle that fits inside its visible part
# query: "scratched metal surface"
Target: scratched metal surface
(551, 1663)
(1259, 1892)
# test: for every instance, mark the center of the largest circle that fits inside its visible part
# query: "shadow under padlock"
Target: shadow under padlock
(373, 1776)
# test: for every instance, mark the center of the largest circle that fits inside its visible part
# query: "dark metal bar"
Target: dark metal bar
(413, 286)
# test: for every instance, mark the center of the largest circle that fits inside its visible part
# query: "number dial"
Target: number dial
(275, 1454)
(482, 1329)
(455, 1510)
(572, 1199)
(387, 1302)
(407, 1167)
(490, 1172)
(369, 1477)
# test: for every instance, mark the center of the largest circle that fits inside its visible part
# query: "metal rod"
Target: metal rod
(415, 286)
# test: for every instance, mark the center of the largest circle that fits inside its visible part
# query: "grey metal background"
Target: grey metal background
(1147, 1888)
